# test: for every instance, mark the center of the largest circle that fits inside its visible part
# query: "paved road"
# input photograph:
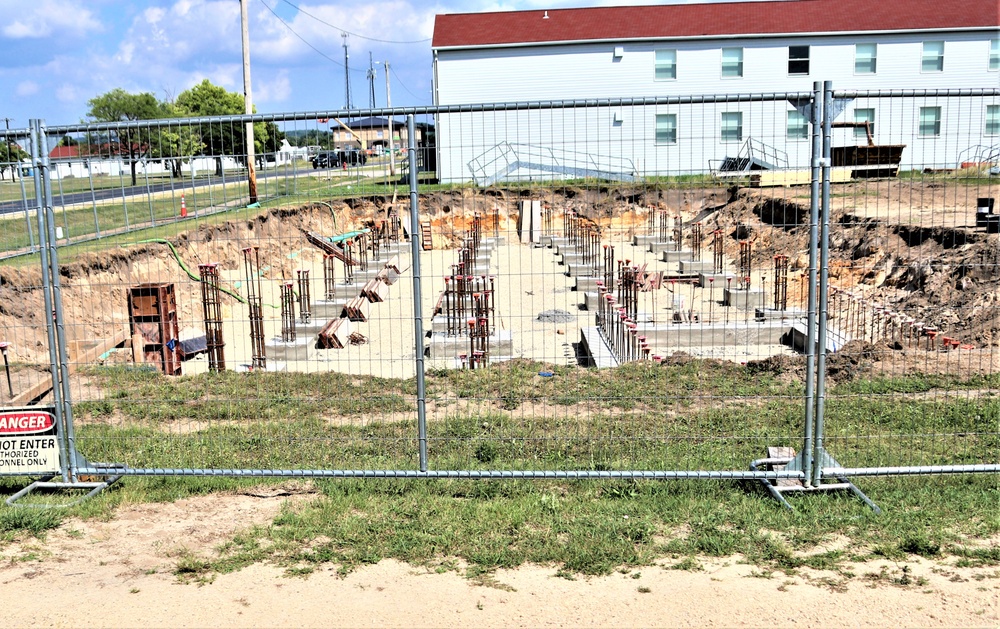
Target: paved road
(178, 186)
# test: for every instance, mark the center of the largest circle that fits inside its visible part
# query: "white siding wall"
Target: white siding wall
(582, 71)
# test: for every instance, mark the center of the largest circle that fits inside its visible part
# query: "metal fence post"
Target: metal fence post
(824, 281)
(37, 151)
(418, 321)
(808, 445)
(57, 308)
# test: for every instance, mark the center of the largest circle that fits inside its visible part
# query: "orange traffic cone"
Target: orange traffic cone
(184, 209)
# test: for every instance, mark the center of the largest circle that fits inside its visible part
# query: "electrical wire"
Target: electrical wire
(305, 41)
(359, 36)
(403, 85)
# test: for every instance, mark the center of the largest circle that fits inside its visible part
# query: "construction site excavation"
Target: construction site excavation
(563, 276)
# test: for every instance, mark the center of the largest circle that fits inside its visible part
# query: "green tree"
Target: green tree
(121, 106)
(10, 155)
(176, 143)
(229, 138)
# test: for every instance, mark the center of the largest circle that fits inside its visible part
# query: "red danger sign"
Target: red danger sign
(25, 422)
(29, 442)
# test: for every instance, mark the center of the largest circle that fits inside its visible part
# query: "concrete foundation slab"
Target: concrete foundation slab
(594, 348)
(695, 266)
(324, 310)
(501, 343)
(686, 335)
(272, 366)
(770, 314)
(676, 256)
(798, 336)
(659, 247)
(719, 280)
(587, 283)
(293, 350)
(743, 299)
(581, 270)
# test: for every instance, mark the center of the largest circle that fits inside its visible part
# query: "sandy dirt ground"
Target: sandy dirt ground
(119, 573)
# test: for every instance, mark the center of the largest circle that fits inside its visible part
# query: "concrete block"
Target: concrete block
(587, 283)
(292, 350)
(590, 302)
(324, 310)
(501, 343)
(272, 366)
(719, 279)
(743, 299)
(595, 349)
(362, 277)
(660, 246)
(571, 257)
(770, 314)
(581, 270)
(677, 256)
(695, 266)
(557, 241)
(644, 240)
(545, 241)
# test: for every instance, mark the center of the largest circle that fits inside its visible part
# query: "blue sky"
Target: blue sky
(55, 55)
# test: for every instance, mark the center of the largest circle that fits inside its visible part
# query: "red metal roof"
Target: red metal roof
(709, 20)
(65, 152)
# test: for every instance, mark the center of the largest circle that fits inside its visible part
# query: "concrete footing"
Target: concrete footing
(501, 343)
(293, 350)
(595, 350)
(719, 280)
(676, 256)
(743, 299)
(658, 247)
(695, 266)
(324, 310)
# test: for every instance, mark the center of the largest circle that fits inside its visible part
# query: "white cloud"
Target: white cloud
(277, 89)
(26, 88)
(43, 18)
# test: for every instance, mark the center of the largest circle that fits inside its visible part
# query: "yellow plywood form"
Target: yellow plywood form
(797, 177)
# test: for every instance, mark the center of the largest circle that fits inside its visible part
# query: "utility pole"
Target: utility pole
(371, 81)
(347, 74)
(388, 105)
(248, 103)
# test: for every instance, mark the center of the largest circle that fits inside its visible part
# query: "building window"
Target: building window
(994, 54)
(666, 65)
(379, 134)
(732, 62)
(930, 122)
(864, 58)
(933, 57)
(864, 115)
(666, 128)
(798, 59)
(798, 126)
(993, 120)
(732, 126)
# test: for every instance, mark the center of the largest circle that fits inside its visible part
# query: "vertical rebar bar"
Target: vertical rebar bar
(717, 251)
(305, 299)
(251, 259)
(211, 301)
(780, 282)
(329, 277)
(287, 312)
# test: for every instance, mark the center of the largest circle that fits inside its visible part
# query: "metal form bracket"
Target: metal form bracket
(785, 459)
(46, 483)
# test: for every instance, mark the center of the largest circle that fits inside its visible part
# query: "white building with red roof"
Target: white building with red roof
(738, 48)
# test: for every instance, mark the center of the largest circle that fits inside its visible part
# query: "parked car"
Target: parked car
(352, 156)
(324, 159)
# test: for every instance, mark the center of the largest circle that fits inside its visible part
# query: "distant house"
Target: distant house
(711, 48)
(375, 132)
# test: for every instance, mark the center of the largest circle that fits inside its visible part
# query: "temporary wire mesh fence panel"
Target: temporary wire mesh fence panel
(913, 314)
(604, 287)
(590, 240)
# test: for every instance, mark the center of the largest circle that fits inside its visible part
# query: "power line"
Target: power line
(403, 85)
(383, 41)
(303, 39)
